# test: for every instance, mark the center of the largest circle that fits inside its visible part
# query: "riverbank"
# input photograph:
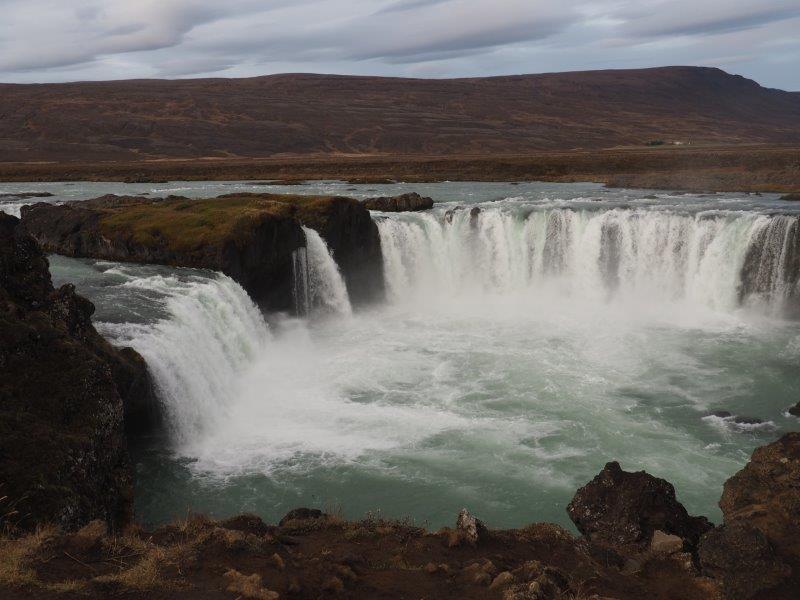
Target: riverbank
(705, 168)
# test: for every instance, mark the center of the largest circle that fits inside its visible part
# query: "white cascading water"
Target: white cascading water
(318, 284)
(649, 255)
(213, 334)
(197, 354)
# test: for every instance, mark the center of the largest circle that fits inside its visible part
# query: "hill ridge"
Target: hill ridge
(303, 114)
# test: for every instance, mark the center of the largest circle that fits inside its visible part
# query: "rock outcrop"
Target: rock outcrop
(402, 203)
(757, 549)
(63, 396)
(623, 510)
(249, 237)
(742, 559)
(471, 529)
(252, 244)
(352, 236)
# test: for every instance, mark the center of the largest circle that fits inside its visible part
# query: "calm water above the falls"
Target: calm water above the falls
(519, 349)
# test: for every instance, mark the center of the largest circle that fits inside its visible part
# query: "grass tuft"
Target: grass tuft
(16, 555)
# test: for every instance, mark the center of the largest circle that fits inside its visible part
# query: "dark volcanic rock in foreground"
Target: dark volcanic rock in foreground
(63, 395)
(624, 510)
(758, 547)
(249, 237)
(402, 203)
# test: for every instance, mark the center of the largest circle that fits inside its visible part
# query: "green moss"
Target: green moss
(186, 224)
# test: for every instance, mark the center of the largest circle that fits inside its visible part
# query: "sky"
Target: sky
(70, 40)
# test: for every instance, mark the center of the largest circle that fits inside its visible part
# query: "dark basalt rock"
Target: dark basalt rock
(474, 215)
(748, 420)
(471, 528)
(63, 396)
(449, 215)
(761, 508)
(795, 410)
(402, 203)
(247, 523)
(623, 510)
(793, 197)
(352, 236)
(259, 257)
(722, 414)
(252, 241)
(302, 514)
(742, 558)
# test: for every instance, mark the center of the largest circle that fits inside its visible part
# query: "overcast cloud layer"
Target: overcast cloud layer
(66, 40)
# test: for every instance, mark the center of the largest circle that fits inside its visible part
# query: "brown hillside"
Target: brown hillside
(327, 114)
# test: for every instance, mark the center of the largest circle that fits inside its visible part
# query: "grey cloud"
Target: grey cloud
(44, 40)
(688, 17)
(408, 5)
(62, 37)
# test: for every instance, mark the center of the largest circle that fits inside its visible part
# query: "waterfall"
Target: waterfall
(302, 301)
(720, 260)
(318, 283)
(210, 334)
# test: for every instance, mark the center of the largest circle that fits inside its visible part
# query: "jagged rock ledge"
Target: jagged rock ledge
(638, 542)
(249, 237)
(403, 203)
(65, 397)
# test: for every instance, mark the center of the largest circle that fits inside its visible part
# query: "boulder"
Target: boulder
(624, 510)
(470, 528)
(246, 523)
(748, 420)
(665, 543)
(722, 414)
(402, 203)
(63, 392)
(761, 509)
(794, 197)
(795, 410)
(450, 214)
(302, 514)
(741, 557)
